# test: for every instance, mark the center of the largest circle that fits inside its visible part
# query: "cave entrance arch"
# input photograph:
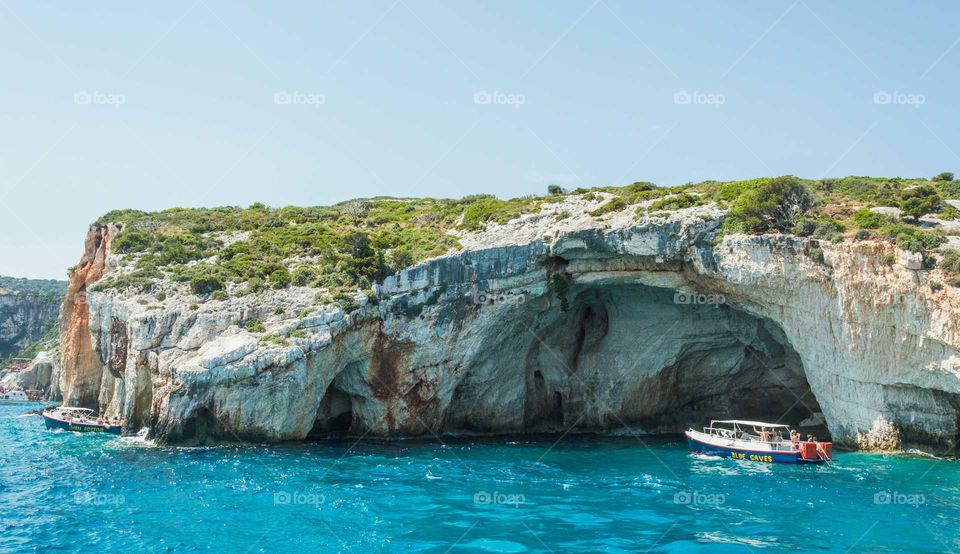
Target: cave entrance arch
(644, 357)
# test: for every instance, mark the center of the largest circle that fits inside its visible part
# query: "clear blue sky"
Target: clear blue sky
(123, 105)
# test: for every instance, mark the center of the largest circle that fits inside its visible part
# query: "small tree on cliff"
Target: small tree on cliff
(920, 201)
(774, 205)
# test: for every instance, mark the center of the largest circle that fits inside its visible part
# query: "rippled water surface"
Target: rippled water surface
(64, 491)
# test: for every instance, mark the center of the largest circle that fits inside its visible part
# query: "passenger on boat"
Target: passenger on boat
(794, 436)
(762, 433)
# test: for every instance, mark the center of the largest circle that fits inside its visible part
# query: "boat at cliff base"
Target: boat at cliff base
(771, 443)
(20, 396)
(82, 420)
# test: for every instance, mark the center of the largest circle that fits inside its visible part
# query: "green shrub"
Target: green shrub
(400, 258)
(879, 192)
(555, 189)
(945, 176)
(863, 234)
(804, 227)
(131, 240)
(773, 205)
(949, 189)
(271, 340)
(202, 284)
(303, 276)
(823, 228)
(255, 286)
(912, 238)
(948, 212)
(611, 205)
(919, 201)
(936, 286)
(866, 219)
(816, 254)
(954, 280)
(951, 261)
(560, 286)
(160, 296)
(254, 325)
(219, 295)
(280, 278)
(346, 301)
(888, 259)
(679, 202)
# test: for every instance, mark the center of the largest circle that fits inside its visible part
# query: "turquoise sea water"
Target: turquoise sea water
(66, 492)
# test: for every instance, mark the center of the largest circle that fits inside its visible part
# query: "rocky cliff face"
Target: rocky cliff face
(24, 319)
(543, 324)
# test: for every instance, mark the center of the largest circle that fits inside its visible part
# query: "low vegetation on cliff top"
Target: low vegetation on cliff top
(41, 287)
(355, 244)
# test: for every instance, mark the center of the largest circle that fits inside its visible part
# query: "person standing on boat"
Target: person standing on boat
(764, 436)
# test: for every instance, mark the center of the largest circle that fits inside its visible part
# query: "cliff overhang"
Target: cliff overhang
(621, 325)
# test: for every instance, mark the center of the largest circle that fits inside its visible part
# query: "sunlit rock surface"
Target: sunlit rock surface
(543, 325)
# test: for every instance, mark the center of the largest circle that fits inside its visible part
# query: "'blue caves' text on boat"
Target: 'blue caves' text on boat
(81, 420)
(758, 442)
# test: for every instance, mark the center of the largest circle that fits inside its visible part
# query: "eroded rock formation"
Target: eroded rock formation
(24, 319)
(542, 325)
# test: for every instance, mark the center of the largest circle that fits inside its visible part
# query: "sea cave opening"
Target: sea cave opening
(334, 416)
(642, 357)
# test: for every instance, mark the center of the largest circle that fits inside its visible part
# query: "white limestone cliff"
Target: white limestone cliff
(543, 325)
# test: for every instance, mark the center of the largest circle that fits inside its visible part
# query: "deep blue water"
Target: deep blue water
(64, 491)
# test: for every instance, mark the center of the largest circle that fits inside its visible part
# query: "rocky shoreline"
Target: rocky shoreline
(541, 324)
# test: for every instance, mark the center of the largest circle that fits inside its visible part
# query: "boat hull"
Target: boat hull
(734, 453)
(54, 423)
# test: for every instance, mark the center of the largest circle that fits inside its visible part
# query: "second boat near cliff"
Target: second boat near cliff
(758, 442)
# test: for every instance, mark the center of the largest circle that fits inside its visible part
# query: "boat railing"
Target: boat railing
(778, 443)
